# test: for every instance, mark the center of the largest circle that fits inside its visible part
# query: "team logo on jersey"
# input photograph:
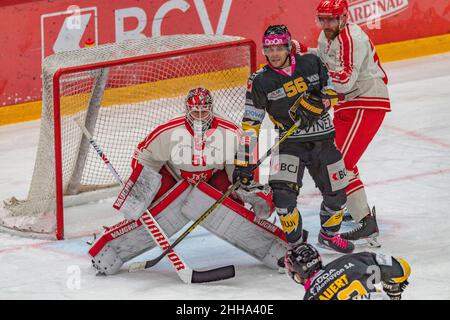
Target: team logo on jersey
(314, 79)
(276, 95)
(196, 177)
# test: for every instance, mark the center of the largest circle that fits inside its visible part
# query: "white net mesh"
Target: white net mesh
(121, 97)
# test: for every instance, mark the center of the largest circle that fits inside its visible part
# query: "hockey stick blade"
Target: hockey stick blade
(218, 274)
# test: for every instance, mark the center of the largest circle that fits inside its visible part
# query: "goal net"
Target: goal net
(121, 92)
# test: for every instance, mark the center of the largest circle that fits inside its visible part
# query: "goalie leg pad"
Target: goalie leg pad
(138, 192)
(238, 226)
(128, 239)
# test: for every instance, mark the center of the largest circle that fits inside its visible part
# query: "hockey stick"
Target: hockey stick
(186, 274)
(150, 263)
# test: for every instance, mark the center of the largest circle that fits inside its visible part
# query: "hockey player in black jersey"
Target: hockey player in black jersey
(363, 275)
(288, 88)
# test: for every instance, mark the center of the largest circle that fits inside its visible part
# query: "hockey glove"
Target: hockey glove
(245, 174)
(259, 197)
(311, 106)
(395, 290)
(298, 47)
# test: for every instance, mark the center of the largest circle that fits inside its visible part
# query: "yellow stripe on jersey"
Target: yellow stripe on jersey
(406, 270)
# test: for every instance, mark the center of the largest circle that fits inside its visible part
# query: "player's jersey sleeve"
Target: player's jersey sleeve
(394, 269)
(152, 151)
(353, 49)
(255, 110)
(255, 105)
(326, 81)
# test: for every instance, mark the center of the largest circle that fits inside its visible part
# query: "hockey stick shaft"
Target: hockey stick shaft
(186, 274)
(234, 186)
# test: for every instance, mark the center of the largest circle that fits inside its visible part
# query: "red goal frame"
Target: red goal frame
(57, 106)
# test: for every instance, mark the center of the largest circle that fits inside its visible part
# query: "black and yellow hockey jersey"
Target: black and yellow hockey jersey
(355, 275)
(274, 92)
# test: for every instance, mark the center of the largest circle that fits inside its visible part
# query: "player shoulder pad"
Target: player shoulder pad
(354, 32)
(225, 122)
(257, 72)
(307, 58)
(383, 259)
(253, 76)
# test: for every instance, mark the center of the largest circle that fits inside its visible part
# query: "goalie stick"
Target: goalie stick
(186, 274)
(150, 263)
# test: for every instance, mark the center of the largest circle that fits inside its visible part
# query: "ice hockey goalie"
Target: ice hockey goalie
(179, 170)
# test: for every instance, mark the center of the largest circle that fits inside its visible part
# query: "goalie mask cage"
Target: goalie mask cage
(121, 92)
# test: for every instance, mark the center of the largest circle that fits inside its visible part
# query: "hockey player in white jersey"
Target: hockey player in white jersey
(179, 170)
(355, 69)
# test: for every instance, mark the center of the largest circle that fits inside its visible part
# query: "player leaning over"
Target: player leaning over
(178, 170)
(353, 276)
(287, 88)
(355, 69)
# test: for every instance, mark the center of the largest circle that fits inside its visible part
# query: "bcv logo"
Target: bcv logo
(78, 27)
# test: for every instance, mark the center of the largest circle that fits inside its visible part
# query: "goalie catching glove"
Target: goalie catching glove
(259, 197)
(309, 107)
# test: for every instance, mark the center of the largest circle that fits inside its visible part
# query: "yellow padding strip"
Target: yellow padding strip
(133, 94)
(20, 112)
(413, 48)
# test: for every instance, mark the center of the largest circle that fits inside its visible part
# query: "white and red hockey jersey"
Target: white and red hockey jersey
(355, 68)
(188, 156)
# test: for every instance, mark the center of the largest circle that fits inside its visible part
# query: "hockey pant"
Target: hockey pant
(355, 129)
(325, 165)
(231, 221)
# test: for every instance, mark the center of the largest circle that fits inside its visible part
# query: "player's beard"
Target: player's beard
(330, 34)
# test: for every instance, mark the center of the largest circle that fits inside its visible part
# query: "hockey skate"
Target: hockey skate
(366, 230)
(347, 216)
(335, 243)
(281, 267)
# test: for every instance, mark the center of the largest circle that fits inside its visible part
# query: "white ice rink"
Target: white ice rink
(407, 174)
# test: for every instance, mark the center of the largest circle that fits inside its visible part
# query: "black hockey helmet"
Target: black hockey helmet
(302, 262)
(276, 35)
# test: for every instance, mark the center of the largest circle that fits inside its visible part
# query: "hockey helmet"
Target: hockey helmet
(332, 8)
(302, 262)
(199, 108)
(277, 35)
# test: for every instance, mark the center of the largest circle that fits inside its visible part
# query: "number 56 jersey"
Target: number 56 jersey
(355, 276)
(274, 91)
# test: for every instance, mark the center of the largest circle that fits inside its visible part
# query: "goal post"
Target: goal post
(121, 92)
